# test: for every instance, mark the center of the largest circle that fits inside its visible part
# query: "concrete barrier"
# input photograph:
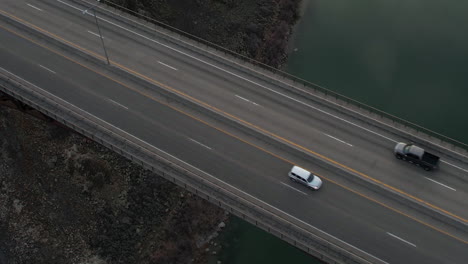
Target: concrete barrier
(313, 92)
(264, 216)
(251, 131)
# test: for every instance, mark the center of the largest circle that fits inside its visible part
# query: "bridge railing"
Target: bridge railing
(294, 233)
(257, 212)
(296, 80)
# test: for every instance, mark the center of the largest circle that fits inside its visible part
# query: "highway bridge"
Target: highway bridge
(230, 130)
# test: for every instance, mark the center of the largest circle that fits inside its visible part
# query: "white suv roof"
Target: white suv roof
(305, 177)
(301, 172)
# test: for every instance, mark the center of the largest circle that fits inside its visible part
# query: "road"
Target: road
(389, 235)
(320, 131)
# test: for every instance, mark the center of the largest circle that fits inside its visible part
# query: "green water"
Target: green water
(243, 243)
(405, 57)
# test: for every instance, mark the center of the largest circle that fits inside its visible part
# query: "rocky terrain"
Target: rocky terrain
(65, 199)
(258, 29)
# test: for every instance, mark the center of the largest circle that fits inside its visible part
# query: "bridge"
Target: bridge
(229, 130)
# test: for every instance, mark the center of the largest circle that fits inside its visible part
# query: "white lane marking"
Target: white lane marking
(246, 100)
(399, 238)
(245, 79)
(35, 7)
(287, 185)
(233, 74)
(440, 183)
(123, 106)
(95, 34)
(199, 143)
(344, 142)
(47, 69)
(454, 165)
(209, 175)
(167, 66)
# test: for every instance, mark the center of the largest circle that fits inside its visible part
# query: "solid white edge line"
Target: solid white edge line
(245, 79)
(167, 66)
(35, 7)
(238, 76)
(344, 142)
(47, 69)
(399, 238)
(211, 176)
(95, 34)
(287, 185)
(440, 184)
(199, 143)
(454, 165)
(247, 100)
(123, 106)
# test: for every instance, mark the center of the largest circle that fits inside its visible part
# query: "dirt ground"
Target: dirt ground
(66, 199)
(258, 29)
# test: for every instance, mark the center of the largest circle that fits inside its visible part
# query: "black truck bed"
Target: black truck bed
(430, 158)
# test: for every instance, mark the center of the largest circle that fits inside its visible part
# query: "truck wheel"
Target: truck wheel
(398, 156)
(403, 158)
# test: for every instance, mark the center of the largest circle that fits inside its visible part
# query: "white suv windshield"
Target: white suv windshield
(311, 177)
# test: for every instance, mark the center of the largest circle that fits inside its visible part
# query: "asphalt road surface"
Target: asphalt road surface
(388, 234)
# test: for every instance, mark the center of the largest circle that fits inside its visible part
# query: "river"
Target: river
(406, 57)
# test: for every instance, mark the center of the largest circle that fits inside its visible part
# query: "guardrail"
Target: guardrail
(254, 132)
(432, 141)
(311, 247)
(264, 216)
(349, 109)
(296, 80)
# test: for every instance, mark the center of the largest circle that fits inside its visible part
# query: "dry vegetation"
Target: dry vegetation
(65, 199)
(258, 29)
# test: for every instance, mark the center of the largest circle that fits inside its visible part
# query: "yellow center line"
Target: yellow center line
(236, 118)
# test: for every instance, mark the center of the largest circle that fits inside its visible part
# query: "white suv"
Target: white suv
(298, 174)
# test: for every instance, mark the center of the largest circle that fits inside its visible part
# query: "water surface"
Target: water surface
(406, 57)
